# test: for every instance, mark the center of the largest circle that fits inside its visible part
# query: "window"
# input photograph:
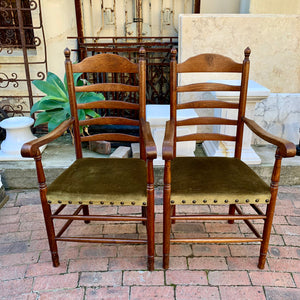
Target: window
(9, 25)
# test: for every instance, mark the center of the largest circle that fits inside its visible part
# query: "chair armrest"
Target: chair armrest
(31, 149)
(285, 148)
(149, 143)
(169, 143)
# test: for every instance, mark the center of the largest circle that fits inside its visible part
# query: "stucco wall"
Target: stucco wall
(59, 21)
(273, 39)
(275, 7)
(275, 64)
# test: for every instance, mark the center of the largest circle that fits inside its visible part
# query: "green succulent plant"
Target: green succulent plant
(55, 105)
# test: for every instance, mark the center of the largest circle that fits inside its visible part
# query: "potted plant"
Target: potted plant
(55, 105)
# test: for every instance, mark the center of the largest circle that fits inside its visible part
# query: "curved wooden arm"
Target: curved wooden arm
(285, 148)
(31, 149)
(168, 144)
(150, 146)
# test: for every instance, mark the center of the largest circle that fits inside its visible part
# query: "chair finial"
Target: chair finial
(173, 54)
(67, 53)
(142, 53)
(247, 52)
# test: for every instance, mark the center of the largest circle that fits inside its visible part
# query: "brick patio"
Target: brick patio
(90, 271)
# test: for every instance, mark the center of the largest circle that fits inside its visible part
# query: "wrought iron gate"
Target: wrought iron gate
(135, 21)
(22, 54)
(157, 58)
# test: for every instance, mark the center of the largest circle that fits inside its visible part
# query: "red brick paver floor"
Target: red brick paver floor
(95, 271)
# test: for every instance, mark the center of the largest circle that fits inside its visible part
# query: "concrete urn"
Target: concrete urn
(18, 132)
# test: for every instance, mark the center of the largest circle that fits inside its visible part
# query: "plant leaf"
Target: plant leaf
(35, 107)
(75, 76)
(91, 113)
(81, 114)
(52, 104)
(56, 119)
(48, 88)
(55, 80)
(90, 97)
(42, 118)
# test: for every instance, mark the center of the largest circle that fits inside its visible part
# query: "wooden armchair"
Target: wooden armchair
(100, 181)
(216, 180)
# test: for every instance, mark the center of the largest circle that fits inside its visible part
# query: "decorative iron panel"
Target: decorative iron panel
(157, 58)
(22, 54)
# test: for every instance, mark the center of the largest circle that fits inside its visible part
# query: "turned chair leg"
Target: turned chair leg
(266, 235)
(150, 226)
(166, 235)
(50, 233)
(167, 216)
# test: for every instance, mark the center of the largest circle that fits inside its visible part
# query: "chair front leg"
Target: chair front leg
(166, 214)
(270, 212)
(150, 216)
(47, 211)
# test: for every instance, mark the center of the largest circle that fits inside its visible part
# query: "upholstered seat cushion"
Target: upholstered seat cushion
(104, 181)
(215, 180)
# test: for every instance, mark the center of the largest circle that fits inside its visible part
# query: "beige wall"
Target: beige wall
(220, 6)
(275, 7)
(59, 22)
(273, 39)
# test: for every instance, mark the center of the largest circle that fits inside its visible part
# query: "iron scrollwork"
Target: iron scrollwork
(5, 80)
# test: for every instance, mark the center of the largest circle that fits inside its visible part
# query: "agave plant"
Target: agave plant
(55, 105)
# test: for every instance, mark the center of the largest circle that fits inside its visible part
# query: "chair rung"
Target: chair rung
(216, 240)
(218, 217)
(100, 218)
(101, 240)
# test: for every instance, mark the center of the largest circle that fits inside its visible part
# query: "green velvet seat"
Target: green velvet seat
(101, 181)
(200, 180)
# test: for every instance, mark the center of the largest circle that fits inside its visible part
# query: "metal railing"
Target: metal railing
(19, 34)
(157, 58)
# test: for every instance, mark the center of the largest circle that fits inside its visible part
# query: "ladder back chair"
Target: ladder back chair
(100, 181)
(216, 180)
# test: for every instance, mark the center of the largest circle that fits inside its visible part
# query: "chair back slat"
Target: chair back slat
(106, 63)
(209, 62)
(113, 137)
(107, 87)
(110, 104)
(109, 121)
(206, 121)
(209, 86)
(205, 137)
(207, 104)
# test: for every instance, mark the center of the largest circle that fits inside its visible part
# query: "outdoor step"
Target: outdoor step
(121, 152)
(60, 154)
(135, 150)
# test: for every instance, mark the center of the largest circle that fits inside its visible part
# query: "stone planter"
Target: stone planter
(18, 132)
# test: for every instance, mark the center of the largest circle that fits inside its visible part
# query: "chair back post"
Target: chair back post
(173, 92)
(242, 103)
(142, 96)
(73, 104)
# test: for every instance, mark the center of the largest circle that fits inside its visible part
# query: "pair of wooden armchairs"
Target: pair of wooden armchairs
(187, 180)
